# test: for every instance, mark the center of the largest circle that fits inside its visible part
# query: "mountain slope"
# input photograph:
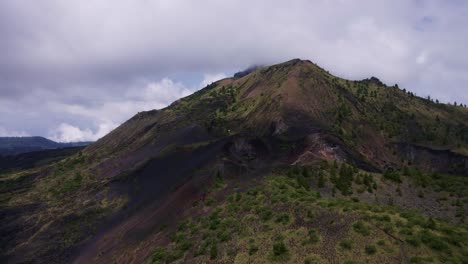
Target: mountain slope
(297, 98)
(336, 140)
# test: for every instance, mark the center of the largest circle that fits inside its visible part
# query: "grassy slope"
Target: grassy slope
(60, 203)
(290, 219)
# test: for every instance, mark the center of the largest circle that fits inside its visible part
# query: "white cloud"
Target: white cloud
(69, 133)
(162, 93)
(210, 78)
(107, 115)
(142, 96)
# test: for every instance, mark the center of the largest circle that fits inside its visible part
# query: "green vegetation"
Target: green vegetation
(158, 255)
(346, 244)
(371, 250)
(313, 237)
(392, 175)
(253, 248)
(280, 250)
(361, 228)
(271, 211)
(69, 185)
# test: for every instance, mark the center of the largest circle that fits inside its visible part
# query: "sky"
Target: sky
(74, 70)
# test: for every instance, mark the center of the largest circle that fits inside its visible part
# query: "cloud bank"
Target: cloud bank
(73, 70)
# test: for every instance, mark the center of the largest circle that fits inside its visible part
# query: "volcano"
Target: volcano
(284, 163)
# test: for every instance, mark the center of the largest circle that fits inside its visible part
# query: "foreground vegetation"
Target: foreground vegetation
(282, 219)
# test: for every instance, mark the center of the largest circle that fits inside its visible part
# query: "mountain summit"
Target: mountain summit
(285, 163)
(367, 121)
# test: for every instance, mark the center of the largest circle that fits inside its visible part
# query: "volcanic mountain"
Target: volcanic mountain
(285, 163)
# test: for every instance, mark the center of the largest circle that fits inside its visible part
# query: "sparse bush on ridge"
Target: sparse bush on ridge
(370, 250)
(361, 228)
(279, 248)
(346, 244)
(392, 175)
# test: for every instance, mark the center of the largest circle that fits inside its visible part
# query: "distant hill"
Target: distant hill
(17, 145)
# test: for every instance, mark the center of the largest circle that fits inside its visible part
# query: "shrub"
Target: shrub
(383, 218)
(202, 249)
(431, 224)
(214, 223)
(302, 182)
(283, 218)
(185, 245)
(454, 238)
(173, 256)
(253, 248)
(218, 179)
(266, 214)
(413, 218)
(346, 244)
(70, 185)
(312, 260)
(368, 180)
(158, 254)
(421, 260)
(361, 228)
(209, 201)
(406, 231)
(413, 241)
(224, 236)
(213, 251)
(345, 179)
(321, 180)
(370, 250)
(392, 175)
(178, 237)
(279, 248)
(313, 236)
(434, 242)
(421, 194)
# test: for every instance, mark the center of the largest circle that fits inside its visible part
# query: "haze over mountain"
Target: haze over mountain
(285, 164)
